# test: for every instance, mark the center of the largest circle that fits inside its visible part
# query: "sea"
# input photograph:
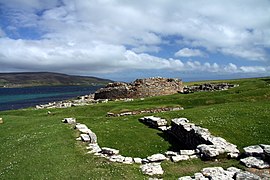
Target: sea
(17, 98)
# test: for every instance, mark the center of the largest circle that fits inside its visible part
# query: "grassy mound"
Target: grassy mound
(35, 145)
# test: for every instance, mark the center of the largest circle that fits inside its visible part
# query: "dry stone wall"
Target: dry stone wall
(140, 88)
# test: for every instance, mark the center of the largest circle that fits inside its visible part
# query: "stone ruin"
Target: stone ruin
(256, 156)
(208, 87)
(140, 88)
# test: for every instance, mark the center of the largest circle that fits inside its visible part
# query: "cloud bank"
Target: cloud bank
(95, 37)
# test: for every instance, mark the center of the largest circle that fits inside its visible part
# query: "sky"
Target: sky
(125, 39)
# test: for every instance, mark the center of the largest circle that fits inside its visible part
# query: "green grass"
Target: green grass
(35, 145)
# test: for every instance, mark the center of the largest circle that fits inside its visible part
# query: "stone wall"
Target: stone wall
(140, 88)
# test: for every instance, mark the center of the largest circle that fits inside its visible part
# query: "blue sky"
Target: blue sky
(125, 40)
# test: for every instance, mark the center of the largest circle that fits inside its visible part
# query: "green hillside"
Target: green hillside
(35, 145)
(47, 79)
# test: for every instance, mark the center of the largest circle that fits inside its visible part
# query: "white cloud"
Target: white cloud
(93, 36)
(186, 52)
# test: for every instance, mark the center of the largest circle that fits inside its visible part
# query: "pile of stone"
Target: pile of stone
(208, 87)
(257, 156)
(140, 88)
(230, 173)
(155, 122)
(195, 137)
(154, 110)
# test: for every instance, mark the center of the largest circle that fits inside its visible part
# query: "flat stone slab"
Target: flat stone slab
(246, 176)
(83, 128)
(85, 137)
(254, 162)
(156, 158)
(152, 169)
(187, 152)
(178, 158)
(137, 160)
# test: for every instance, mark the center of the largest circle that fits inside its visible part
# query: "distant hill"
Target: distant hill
(27, 79)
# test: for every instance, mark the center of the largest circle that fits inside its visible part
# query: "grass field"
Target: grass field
(35, 145)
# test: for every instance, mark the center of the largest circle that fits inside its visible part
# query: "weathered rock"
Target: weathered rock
(254, 162)
(153, 121)
(255, 150)
(156, 158)
(94, 148)
(199, 176)
(109, 151)
(187, 152)
(152, 169)
(217, 173)
(244, 175)
(170, 153)
(179, 158)
(83, 128)
(117, 158)
(185, 178)
(69, 120)
(93, 137)
(128, 160)
(266, 149)
(85, 137)
(208, 151)
(137, 160)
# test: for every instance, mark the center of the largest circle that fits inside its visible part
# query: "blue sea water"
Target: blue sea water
(17, 98)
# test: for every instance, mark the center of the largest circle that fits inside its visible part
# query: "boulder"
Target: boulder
(156, 158)
(179, 158)
(152, 169)
(244, 175)
(255, 150)
(109, 151)
(254, 162)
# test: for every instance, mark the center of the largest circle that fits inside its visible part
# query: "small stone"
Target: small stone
(185, 178)
(152, 169)
(253, 150)
(233, 155)
(128, 160)
(156, 158)
(78, 139)
(254, 162)
(187, 152)
(170, 153)
(137, 160)
(85, 137)
(69, 120)
(109, 151)
(179, 158)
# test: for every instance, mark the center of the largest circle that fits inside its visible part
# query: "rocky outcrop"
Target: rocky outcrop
(208, 87)
(140, 88)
